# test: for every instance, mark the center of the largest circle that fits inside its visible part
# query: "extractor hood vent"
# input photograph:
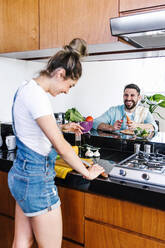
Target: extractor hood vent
(146, 30)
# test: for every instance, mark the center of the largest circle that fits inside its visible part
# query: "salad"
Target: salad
(139, 132)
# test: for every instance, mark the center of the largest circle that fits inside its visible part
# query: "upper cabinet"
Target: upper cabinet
(39, 24)
(134, 5)
(19, 25)
(61, 21)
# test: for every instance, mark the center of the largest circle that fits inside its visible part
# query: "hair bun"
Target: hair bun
(77, 45)
(68, 49)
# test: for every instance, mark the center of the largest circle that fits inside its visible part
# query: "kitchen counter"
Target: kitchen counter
(101, 186)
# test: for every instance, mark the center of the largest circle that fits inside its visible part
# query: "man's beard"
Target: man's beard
(131, 106)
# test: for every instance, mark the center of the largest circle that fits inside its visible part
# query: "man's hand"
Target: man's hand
(132, 125)
(117, 125)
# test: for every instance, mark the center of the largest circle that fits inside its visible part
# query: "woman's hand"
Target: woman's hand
(94, 171)
(72, 127)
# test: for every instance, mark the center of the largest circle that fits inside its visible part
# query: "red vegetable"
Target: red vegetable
(89, 118)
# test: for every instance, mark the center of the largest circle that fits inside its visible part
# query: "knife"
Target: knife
(103, 174)
(85, 162)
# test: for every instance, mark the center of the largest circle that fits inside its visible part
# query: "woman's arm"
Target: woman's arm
(51, 130)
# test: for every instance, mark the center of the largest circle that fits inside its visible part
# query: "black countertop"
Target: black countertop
(100, 186)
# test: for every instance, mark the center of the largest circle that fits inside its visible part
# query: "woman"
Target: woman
(31, 179)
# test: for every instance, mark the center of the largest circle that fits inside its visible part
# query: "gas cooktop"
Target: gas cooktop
(144, 170)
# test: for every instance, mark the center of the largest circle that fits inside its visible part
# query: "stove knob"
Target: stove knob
(145, 176)
(122, 172)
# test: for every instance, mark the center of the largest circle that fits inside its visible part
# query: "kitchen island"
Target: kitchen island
(96, 213)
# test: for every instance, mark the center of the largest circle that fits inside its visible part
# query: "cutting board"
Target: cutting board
(127, 131)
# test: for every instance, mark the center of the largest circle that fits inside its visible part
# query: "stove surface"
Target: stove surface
(146, 170)
(147, 162)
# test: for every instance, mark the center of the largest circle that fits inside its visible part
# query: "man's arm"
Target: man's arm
(108, 121)
(133, 125)
(149, 124)
(106, 127)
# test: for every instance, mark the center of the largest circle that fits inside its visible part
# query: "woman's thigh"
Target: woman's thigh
(47, 229)
(23, 235)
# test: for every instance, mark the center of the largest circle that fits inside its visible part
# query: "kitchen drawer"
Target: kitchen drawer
(68, 244)
(72, 204)
(104, 236)
(6, 231)
(125, 214)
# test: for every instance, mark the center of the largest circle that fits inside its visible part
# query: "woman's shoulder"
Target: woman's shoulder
(31, 89)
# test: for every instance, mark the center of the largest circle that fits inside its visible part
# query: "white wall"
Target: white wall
(100, 86)
(12, 74)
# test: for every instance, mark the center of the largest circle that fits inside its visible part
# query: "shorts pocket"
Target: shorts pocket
(20, 188)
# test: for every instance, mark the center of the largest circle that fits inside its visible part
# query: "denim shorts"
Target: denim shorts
(33, 187)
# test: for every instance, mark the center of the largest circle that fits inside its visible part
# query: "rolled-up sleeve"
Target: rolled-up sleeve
(107, 118)
(150, 119)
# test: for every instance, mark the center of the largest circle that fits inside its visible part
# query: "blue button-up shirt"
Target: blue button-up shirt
(116, 113)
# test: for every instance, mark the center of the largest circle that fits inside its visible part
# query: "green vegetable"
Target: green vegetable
(141, 132)
(73, 115)
(58, 157)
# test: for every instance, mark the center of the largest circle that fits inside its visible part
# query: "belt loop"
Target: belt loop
(46, 163)
(24, 164)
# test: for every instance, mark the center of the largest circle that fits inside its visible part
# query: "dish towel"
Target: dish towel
(62, 168)
(61, 171)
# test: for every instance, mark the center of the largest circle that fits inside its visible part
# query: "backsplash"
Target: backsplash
(102, 84)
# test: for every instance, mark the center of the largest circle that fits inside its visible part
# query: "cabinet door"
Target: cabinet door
(126, 215)
(72, 203)
(61, 21)
(7, 205)
(104, 236)
(68, 244)
(128, 5)
(6, 231)
(18, 25)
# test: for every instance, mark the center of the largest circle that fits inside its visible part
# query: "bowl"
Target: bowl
(87, 125)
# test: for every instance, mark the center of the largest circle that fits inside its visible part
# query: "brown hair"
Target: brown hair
(79, 46)
(68, 59)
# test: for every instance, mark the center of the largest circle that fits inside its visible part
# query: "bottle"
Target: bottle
(89, 153)
(136, 148)
(147, 148)
(96, 153)
(78, 143)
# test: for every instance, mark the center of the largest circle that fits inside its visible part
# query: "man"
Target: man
(116, 118)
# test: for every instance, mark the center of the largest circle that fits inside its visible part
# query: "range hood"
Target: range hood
(146, 30)
(95, 52)
(145, 34)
